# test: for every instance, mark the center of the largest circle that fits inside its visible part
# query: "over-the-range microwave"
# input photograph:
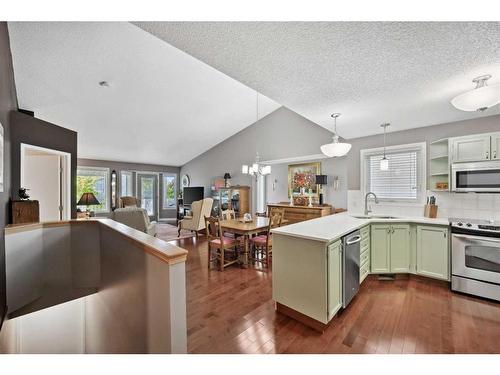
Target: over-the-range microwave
(481, 177)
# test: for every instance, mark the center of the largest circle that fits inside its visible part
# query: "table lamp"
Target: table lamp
(88, 199)
(321, 179)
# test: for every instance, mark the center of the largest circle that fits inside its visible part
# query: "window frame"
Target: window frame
(421, 170)
(107, 186)
(128, 174)
(164, 191)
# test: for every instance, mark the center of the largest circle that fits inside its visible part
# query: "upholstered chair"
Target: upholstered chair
(135, 217)
(196, 222)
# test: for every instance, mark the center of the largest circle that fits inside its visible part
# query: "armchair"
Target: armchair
(196, 222)
(136, 218)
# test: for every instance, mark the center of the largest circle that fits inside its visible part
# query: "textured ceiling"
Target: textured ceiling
(162, 105)
(371, 72)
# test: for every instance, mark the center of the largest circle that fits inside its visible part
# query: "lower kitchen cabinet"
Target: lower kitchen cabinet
(380, 248)
(400, 248)
(432, 252)
(390, 248)
(334, 278)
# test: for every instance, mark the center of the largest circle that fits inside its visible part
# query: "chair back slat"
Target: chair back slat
(228, 215)
(212, 225)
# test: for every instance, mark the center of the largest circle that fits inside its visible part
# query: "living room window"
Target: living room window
(94, 180)
(169, 191)
(403, 181)
(126, 184)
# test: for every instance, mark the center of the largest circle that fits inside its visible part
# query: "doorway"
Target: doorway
(147, 192)
(46, 173)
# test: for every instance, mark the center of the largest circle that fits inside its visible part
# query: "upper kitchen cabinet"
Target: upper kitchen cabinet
(470, 148)
(495, 146)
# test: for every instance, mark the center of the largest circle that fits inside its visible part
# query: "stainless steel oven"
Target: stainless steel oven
(476, 259)
(482, 176)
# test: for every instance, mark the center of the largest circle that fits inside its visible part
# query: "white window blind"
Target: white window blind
(404, 178)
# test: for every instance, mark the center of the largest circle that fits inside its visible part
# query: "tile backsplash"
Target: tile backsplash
(462, 205)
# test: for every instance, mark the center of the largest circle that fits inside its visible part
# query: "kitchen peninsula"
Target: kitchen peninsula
(307, 259)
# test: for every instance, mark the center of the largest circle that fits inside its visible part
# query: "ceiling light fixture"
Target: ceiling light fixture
(256, 169)
(336, 148)
(384, 163)
(103, 83)
(479, 99)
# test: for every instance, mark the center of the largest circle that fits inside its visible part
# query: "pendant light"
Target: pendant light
(384, 163)
(336, 148)
(256, 169)
(479, 99)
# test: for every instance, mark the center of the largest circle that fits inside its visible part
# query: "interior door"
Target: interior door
(147, 192)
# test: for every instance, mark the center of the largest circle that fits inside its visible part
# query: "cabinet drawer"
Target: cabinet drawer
(364, 257)
(363, 272)
(365, 232)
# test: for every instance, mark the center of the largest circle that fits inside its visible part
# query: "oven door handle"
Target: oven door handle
(475, 238)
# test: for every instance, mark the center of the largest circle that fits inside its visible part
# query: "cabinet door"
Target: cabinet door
(432, 252)
(334, 278)
(495, 146)
(400, 248)
(470, 148)
(380, 248)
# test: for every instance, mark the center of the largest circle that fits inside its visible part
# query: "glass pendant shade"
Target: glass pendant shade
(255, 166)
(384, 164)
(336, 148)
(266, 170)
(480, 98)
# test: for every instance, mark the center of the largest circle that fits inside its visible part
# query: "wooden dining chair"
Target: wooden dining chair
(262, 244)
(219, 245)
(228, 214)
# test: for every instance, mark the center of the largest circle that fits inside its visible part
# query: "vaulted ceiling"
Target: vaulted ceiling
(160, 106)
(404, 73)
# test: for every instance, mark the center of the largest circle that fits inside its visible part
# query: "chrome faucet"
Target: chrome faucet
(367, 211)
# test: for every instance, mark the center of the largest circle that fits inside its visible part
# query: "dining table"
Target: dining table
(245, 229)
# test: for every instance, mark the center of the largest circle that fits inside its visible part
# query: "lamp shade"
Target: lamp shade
(88, 199)
(335, 149)
(321, 179)
(227, 176)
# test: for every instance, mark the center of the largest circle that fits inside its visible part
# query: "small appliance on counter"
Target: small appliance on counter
(475, 257)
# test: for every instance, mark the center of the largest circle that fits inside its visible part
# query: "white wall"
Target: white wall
(41, 176)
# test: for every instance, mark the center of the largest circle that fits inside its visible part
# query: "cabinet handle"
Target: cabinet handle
(444, 234)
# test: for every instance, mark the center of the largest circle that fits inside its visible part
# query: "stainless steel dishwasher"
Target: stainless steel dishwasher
(350, 266)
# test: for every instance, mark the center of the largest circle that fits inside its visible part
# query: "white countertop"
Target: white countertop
(331, 227)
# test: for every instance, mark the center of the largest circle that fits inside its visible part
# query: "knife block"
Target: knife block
(431, 211)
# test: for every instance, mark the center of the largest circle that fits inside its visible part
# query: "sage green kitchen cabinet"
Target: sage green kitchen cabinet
(495, 146)
(390, 248)
(334, 278)
(380, 248)
(432, 252)
(400, 248)
(470, 148)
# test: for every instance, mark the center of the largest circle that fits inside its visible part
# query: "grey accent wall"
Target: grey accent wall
(8, 103)
(36, 132)
(425, 134)
(123, 166)
(281, 134)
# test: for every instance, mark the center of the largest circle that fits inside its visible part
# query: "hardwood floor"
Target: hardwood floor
(233, 312)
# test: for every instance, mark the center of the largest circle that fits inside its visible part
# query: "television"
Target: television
(192, 194)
